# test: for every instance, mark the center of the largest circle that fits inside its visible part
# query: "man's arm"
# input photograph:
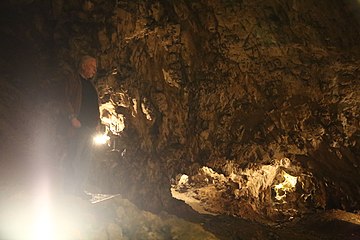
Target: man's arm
(69, 88)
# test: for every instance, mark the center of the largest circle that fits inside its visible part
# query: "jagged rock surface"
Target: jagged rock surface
(219, 84)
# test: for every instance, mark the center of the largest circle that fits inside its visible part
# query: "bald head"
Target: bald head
(87, 67)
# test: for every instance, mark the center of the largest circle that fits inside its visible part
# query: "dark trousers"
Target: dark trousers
(76, 165)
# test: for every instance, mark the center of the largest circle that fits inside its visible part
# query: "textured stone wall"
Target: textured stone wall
(241, 81)
(219, 84)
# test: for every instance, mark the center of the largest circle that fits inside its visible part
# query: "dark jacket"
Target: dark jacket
(73, 95)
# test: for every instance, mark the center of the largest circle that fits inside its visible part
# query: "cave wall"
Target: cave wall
(205, 83)
(219, 84)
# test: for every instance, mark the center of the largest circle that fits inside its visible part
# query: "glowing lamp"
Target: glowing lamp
(101, 139)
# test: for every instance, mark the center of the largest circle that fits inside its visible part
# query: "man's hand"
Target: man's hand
(75, 123)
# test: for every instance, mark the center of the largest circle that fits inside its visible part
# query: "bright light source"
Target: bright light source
(43, 223)
(38, 217)
(101, 139)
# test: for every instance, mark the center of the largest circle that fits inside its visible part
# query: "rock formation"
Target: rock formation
(253, 90)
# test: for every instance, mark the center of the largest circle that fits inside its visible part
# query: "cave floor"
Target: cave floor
(333, 224)
(118, 218)
(328, 224)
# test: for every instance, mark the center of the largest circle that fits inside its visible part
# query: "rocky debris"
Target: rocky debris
(274, 192)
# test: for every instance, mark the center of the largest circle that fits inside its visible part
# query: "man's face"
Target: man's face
(89, 68)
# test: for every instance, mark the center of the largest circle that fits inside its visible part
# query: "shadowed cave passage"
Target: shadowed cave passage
(249, 109)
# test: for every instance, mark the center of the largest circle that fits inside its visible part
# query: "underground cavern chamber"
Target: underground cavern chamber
(246, 110)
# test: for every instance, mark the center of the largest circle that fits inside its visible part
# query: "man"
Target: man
(82, 107)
